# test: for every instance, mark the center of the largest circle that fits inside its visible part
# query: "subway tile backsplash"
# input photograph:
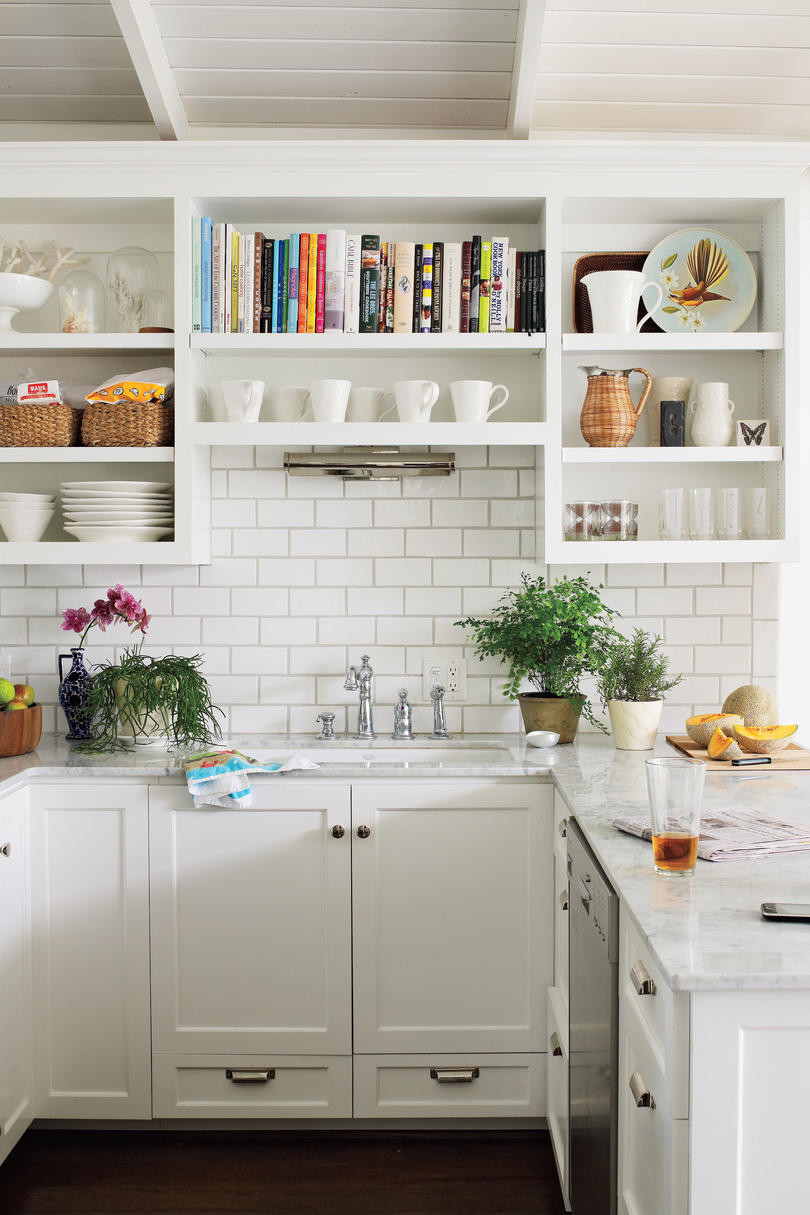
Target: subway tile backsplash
(313, 573)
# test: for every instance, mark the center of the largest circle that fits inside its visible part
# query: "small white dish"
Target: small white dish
(542, 738)
(93, 533)
(137, 487)
(24, 526)
(27, 499)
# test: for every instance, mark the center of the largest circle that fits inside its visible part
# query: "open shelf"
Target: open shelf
(671, 455)
(363, 434)
(75, 552)
(632, 552)
(86, 455)
(84, 343)
(693, 342)
(368, 343)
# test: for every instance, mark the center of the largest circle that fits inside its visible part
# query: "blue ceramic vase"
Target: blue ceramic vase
(73, 690)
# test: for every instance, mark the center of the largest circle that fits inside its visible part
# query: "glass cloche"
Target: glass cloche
(131, 274)
(82, 304)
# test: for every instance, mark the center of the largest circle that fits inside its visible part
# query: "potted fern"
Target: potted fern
(552, 636)
(632, 684)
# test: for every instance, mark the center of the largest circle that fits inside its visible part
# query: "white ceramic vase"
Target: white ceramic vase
(634, 723)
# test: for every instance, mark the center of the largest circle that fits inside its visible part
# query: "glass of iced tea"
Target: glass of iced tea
(675, 787)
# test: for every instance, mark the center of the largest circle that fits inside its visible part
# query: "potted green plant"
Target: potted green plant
(552, 636)
(632, 683)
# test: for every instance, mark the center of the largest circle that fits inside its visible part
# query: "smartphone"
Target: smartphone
(786, 911)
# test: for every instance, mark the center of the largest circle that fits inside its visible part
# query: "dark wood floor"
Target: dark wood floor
(223, 1173)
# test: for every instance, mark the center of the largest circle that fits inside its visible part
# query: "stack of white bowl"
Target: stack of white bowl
(24, 517)
(117, 510)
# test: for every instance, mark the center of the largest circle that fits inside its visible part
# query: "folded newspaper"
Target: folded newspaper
(734, 835)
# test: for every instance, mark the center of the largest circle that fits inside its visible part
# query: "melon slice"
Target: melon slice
(763, 739)
(701, 728)
(723, 747)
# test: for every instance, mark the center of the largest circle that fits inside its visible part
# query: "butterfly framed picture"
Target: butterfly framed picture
(753, 433)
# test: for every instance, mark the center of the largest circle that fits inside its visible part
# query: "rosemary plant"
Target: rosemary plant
(636, 670)
(170, 689)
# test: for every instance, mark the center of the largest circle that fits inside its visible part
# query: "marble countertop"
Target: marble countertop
(705, 932)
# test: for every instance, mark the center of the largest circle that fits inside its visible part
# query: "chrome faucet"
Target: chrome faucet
(362, 680)
(402, 716)
(439, 722)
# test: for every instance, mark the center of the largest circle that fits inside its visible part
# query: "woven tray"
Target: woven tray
(39, 426)
(791, 757)
(128, 424)
(588, 264)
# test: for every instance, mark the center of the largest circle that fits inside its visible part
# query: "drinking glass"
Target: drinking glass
(757, 526)
(675, 788)
(581, 521)
(670, 514)
(728, 514)
(700, 514)
(619, 520)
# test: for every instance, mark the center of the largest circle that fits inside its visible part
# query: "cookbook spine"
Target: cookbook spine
(258, 260)
(205, 274)
(268, 257)
(351, 304)
(541, 291)
(196, 273)
(369, 283)
(234, 282)
(285, 287)
(383, 286)
(484, 286)
(320, 283)
(403, 286)
(499, 285)
(312, 281)
(240, 291)
(451, 288)
(334, 297)
(416, 323)
(303, 281)
(438, 287)
(292, 290)
(475, 281)
(217, 250)
(427, 287)
(389, 294)
(464, 302)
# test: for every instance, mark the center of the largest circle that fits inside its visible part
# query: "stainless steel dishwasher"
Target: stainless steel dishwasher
(593, 937)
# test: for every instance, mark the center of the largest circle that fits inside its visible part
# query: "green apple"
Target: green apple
(7, 692)
(24, 692)
(15, 704)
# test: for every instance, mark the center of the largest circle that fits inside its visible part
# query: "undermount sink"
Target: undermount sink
(404, 754)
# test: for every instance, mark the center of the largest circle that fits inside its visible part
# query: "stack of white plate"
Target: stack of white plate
(24, 517)
(117, 510)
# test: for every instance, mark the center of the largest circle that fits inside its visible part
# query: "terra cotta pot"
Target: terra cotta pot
(542, 712)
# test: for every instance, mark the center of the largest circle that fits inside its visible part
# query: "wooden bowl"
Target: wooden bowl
(20, 731)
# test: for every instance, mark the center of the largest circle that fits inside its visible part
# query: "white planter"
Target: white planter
(634, 723)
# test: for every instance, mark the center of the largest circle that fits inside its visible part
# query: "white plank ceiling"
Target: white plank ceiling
(505, 68)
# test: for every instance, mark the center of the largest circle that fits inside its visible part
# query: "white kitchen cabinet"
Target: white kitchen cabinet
(91, 949)
(449, 1086)
(250, 922)
(16, 1072)
(452, 898)
(253, 1086)
(557, 1112)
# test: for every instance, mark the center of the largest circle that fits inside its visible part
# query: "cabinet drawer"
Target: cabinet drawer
(557, 1087)
(423, 1086)
(561, 926)
(209, 1086)
(663, 1012)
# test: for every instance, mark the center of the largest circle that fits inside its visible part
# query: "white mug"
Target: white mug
(365, 405)
(614, 297)
(472, 398)
(415, 399)
(328, 399)
(287, 403)
(243, 399)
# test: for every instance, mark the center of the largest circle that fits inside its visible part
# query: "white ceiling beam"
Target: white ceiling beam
(145, 45)
(524, 72)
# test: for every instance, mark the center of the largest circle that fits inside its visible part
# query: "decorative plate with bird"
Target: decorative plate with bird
(708, 280)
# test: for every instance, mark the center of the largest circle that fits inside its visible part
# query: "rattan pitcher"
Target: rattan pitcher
(608, 417)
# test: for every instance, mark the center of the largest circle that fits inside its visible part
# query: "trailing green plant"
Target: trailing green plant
(552, 636)
(636, 669)
(170, 688)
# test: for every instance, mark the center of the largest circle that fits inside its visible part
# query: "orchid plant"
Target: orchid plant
(119, 605)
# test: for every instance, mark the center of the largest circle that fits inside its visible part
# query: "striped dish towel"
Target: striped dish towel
(222, 778)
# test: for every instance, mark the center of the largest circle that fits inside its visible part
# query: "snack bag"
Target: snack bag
(155, 384)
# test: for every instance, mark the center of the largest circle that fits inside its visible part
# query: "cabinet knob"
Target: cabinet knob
(554, 1043)
(563, 900)
(562, 827)
(641, 1094)
(5, 849)
(642, 980)
(363, 832)
(338, 832)
(454, 1075)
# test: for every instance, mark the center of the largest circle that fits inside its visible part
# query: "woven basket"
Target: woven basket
(39, 426)
(609, 417)
(128, 424)
(589, 264)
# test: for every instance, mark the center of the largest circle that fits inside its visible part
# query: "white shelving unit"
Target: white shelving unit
(569, 199)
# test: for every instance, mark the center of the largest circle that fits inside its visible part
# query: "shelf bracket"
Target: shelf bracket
(144, 43)
(524, 68)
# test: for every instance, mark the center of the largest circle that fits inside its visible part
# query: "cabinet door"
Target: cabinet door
(251, 921)
(557, 1087)
(91, 949)
(453, 893)
(16, 1079)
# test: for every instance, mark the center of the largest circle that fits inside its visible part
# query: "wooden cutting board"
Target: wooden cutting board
(790, 757)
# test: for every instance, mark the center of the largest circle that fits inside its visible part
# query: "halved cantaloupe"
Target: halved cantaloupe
(701, 728)
(723, 747)
(763, 739)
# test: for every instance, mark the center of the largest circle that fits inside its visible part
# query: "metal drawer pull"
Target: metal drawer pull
(258, 1075)
(563, 900)
(641, 1094)
(642, 980)
(454, 1075)
(363, 832)
(562, 827)
(5, 849)
(554, 1043)
(338, 832)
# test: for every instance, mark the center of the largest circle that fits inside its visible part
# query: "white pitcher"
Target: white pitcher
(712, 417)
(614, 296)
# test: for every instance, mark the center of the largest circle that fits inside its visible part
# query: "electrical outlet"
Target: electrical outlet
(451, 673)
